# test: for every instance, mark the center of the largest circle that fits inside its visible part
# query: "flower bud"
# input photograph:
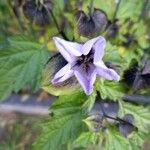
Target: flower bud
(90, 25)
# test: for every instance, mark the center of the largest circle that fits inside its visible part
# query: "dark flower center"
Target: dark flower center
(85, 61)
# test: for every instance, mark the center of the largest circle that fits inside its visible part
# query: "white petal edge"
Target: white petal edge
(88, 45)
(68, 48)
(63, 74)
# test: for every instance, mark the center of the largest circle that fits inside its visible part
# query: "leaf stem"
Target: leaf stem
(57, 26)
(116, 10)
(91, 8)
(143, 9)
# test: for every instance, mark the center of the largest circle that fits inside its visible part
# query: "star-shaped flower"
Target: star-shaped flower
(84, 61)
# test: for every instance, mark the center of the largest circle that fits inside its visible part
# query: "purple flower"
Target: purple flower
(84, 61)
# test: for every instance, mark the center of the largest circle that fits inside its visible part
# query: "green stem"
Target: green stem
(116, 10)
(91, 8)
(57, 26)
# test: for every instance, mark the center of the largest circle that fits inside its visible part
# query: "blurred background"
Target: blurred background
(21, 113)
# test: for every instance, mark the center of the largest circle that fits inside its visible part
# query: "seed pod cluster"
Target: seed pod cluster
(91, 25)
(38, 12)
(103, 113)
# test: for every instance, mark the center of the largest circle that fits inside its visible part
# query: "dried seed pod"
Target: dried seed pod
(100, 19)
(29, 9)
(130, 74)
(38, 13)
(99, 114)
(90, 25)
(112, 29)
(41, 17)
(127, 127)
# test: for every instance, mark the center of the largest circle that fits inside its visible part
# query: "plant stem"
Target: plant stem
(143, 9)
(116, 10)
(91, 8)
(116, 119)
(57, 26)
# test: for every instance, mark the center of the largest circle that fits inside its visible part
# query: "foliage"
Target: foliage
(65, 123)
(25, 61)
(21, 63)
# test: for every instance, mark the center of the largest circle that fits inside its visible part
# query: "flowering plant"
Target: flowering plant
(95, 63)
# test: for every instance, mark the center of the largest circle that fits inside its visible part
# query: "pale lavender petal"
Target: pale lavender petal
(68, 49)
(63, 74)
(86, 79)
(89, 44)
(99, 47)
(107, 73)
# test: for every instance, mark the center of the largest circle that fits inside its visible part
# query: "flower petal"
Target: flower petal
(68, 49)
(106, 73)
(86, 79)
(89, 44)
(99, 47)
(63, 74)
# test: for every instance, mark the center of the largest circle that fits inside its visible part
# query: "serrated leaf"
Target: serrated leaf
(110, 89)
(21, 64)
(126, 9)
(140, 113)
(87, 106)
(112, 55)
(115, 141)
(65, 125)
(87, 138)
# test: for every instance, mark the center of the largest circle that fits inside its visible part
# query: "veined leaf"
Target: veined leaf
(115, 141)
(112, 55)
(87, 138)
(110, 89)
(21, 63)
(87, 106)
(65, 125)
(140, 113)
(126, 9)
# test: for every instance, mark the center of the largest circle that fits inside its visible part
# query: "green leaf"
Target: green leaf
(112, 55)
(110, 89)
(140, 113)
(87, 106)
(87, 138)
(66, 123)
(115, 141)
(21, 63)
(126, 9)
